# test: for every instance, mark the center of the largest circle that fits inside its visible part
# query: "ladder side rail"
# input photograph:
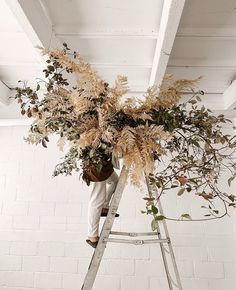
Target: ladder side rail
(171, 251)
(163, 253)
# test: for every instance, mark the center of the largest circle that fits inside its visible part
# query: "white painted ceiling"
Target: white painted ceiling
(18, 58)
(116, 37)
(123, 37)
(206, 45)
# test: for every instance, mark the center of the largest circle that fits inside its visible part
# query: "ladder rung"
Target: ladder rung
(136, 242)
(133, 234)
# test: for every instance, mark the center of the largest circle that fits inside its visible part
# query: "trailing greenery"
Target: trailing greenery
(101, 124)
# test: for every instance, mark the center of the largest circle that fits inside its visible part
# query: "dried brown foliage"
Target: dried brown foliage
(101, 123)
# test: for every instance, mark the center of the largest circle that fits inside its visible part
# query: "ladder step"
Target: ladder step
(136, 242)
(133, 234)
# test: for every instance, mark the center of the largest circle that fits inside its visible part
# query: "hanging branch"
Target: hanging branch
(99, 126)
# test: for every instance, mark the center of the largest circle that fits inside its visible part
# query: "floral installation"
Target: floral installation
(102, 125)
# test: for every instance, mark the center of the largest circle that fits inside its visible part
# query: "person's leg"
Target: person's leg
(111, 183)
(96, 201)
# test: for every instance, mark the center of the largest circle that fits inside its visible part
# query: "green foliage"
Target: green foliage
(194, 156)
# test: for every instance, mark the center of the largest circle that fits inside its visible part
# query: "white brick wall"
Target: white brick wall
(43, 227)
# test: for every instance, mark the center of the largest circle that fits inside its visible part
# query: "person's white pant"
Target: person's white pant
(100, 198)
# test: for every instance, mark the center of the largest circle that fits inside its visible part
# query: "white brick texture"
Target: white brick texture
(64, 265)
(16, 279)
(43, 227)
(35, 264)
(51, 249)
(48, 280)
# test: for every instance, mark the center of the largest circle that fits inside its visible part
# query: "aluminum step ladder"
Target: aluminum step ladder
(106, 232)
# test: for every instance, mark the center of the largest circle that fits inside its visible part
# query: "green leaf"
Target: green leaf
(230, 180)
(103, 146)
(192, 180)
(160, 217)
(186, 215)
(194, 142)
(44, 143)
(198, 98)
(154, 209)
(143, 211)
(154, 224)
(181, 191)
(231, 197)
(38, 87)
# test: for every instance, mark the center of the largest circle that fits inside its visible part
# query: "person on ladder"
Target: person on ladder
(104, 186)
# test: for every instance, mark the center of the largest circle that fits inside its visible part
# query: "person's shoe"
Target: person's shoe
(92, 244)
(105, 212)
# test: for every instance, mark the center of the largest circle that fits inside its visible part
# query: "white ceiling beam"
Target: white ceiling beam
(10, 62)
(35, 21)
(208, 30)
(142, 36)
(15, 122)
(230, 67)
(7, 61)
(120, 65)
(230, 114)
(201, 37)
(232, 106)
(202, 61)
(170, 18)
(109, 35)
(229, 96)
(4, 94)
